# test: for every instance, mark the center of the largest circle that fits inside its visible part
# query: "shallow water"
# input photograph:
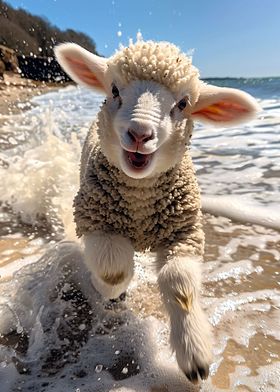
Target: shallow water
(56, 333)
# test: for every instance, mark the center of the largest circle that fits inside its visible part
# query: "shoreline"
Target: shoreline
(16, 92)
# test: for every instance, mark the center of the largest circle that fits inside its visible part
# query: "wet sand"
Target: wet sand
(16, 92)
(242, 334)
(245, 333)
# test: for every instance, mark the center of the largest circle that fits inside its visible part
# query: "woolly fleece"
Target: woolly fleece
(153, 213)
(161, 62)
(158, 212)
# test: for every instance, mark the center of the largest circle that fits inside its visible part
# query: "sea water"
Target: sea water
(57, 334)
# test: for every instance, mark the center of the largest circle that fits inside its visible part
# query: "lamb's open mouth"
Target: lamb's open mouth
(137, 160)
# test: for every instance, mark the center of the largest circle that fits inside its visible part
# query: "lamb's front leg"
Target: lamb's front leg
(190, 337)
(109, 258)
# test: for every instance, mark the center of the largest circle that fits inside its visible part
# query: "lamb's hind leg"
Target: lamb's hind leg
(109, 258)
(190, 336)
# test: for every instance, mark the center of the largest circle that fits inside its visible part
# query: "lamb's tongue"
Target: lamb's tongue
(138, 159)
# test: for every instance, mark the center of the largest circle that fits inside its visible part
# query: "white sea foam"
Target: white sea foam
(41, 173)
(238, 208)
(43, 313)
(40, 184)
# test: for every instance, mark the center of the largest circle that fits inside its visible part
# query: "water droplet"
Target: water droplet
(98, 368)
(125, 370)
(19, 329)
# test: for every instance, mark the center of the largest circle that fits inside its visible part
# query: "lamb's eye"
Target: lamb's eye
(182, 104)
(115, 91)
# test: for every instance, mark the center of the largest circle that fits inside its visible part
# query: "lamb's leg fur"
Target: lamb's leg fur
(190, 336)
(109, 258)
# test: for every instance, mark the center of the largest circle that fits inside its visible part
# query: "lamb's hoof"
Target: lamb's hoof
(193, 376)
(195, 357)
(121, 298)
(191, 339)
(116, 304)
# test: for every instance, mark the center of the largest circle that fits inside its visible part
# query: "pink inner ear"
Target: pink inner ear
(222, 111)
(83, 72)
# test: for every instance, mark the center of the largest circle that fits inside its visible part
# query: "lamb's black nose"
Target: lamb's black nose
(140, 136)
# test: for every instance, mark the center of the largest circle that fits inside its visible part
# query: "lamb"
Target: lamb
(138, 188)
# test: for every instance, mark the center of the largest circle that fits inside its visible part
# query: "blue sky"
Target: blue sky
(229, 37)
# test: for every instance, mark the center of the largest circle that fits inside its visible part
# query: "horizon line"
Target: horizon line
(240, 77)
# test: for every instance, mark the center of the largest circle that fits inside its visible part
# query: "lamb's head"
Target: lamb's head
(153, 94)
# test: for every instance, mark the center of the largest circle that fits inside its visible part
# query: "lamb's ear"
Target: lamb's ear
(83, 67)
(224, 106)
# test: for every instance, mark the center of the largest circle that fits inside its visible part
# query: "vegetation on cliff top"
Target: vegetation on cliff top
(30, 34)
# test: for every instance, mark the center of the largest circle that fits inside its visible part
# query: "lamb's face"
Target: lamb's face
(153, 95)
(147, 126)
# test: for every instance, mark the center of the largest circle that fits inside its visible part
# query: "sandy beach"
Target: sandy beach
(16, 92)
(237, 296)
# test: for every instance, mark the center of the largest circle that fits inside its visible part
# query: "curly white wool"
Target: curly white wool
(161, 62)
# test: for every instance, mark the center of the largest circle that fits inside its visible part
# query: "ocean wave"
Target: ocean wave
(239, 209)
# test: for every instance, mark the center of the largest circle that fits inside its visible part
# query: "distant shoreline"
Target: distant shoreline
(16, 92)
(238, 77)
